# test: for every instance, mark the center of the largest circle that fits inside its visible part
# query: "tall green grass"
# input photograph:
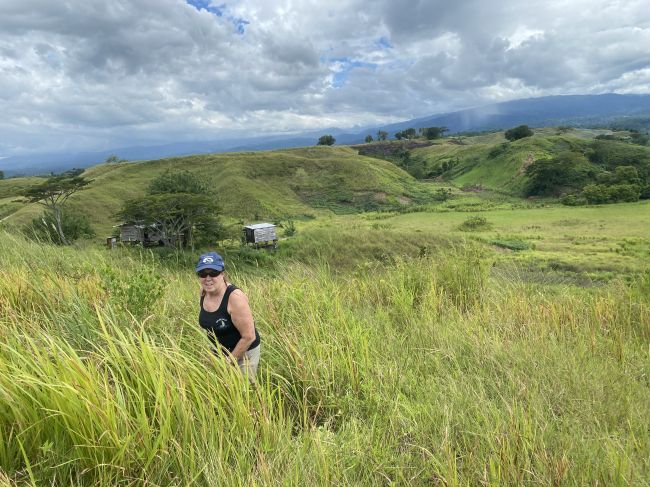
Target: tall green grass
(417, 371)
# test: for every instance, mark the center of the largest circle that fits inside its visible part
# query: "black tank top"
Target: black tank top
(221, 330)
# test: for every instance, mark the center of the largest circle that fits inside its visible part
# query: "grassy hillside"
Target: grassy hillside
(397, 346)
(9, 194)
(313, 180)
(417, 371)
(493, 163)
(249, 185)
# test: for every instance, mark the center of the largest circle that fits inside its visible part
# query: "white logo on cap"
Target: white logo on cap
(208, 260)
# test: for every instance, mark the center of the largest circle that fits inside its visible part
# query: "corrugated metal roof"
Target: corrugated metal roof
(260, 225)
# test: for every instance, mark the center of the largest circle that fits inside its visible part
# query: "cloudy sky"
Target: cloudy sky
(99, 74)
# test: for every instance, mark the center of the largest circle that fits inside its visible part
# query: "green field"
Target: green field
(481, 340)
(377, 368)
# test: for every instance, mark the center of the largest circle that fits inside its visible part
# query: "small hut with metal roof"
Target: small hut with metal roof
(261, 235)
(147, 235)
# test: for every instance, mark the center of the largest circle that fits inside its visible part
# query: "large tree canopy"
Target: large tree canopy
(179, 204)
(551, 177)
(326, 140)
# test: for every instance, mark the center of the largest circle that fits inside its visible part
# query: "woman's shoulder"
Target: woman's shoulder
(235, 291)
(237, 296)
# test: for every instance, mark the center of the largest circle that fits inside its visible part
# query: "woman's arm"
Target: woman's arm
(242, 318)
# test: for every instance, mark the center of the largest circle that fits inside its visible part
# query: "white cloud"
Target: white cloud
(95, 75)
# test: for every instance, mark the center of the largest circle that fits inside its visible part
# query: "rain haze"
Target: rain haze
(91, 75)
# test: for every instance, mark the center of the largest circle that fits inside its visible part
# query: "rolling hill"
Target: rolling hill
(250, 186)
(309, 181)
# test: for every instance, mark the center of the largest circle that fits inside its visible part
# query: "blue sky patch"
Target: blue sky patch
(345, 66)
(219, 11)
(206, 5)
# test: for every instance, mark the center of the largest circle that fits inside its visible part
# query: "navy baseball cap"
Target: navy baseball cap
(211, 260)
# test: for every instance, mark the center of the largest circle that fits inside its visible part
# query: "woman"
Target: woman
(226, 315)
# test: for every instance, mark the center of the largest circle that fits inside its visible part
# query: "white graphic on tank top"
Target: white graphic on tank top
(221, 323)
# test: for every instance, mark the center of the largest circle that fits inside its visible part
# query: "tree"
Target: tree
(518, 133)
(177, 182)
(2, 175)
(626, 175)
(431, 133)
(551, 177)
(381, 135)
(326, 140)
(53, 195)
(113, 159)
(595, 194)
(409, 133)
(177, 203)
(368, 140)
(174, 214)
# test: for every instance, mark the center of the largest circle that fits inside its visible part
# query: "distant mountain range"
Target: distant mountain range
(574, 110)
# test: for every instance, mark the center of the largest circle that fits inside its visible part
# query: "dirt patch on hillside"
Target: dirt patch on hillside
(403, 200)
(530, 158)
(381, 197)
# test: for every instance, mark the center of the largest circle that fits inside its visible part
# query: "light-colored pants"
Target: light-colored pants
(248, 364)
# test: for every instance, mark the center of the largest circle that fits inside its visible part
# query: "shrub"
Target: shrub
(572, 200)
(289, 229)
(134, 291)
(645, 192)
(496, 151)
(442, 194)
(600, 193)
(475, 224)
(518, 133)
(624, 192)
(595, 194)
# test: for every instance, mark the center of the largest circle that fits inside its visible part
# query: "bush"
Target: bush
(74, 225)
(572, 200)
(136, 291)
(624, 192)
(289, 229)
(645, 192)
(496, 151)
(595, 194)
(518, 133)
(475, 224)
(600, 193)
(442, 194)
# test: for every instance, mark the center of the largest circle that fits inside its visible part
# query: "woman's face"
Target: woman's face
(210, 279)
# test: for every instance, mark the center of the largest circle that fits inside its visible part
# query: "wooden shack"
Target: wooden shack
(261, 235)
(139, 233)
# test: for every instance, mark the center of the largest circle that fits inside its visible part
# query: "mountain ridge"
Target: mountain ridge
(574, 110)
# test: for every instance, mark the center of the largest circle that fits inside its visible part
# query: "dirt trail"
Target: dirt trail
(530, 158)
